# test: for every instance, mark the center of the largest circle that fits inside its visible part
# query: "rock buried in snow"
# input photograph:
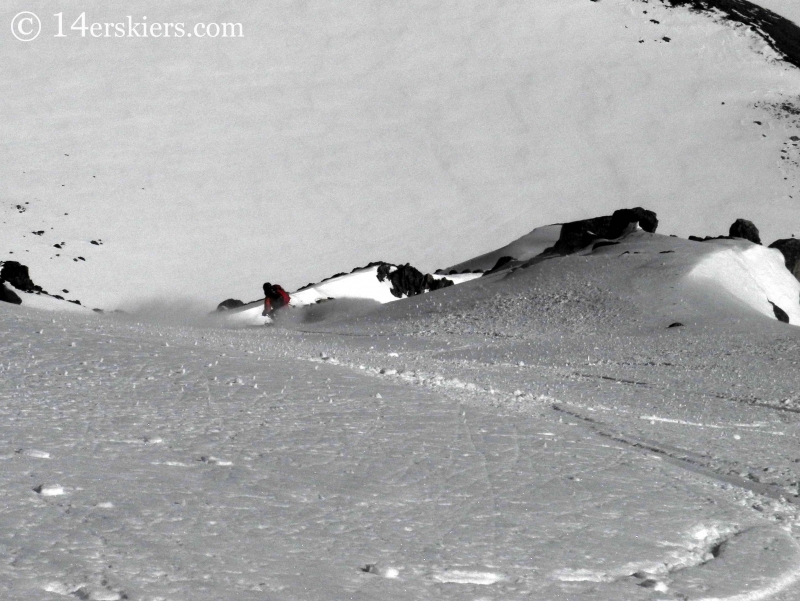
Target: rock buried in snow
(780, 314)
(17, 275)
(231, 303)
(409, 281)
(580, 234)
(501, 263)
(621, 218)
(675, 324)
(790, 248)
(50, 490)
(9, 296)
(387, 572)
(742, 228)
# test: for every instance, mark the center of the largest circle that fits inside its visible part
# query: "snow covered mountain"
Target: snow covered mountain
(616, 423)
(596, 409)
(201, 167)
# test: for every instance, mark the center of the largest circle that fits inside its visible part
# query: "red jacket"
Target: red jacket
(284, 295)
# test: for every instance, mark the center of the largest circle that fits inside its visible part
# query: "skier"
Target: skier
(282, 297)
(267, 299)
(275, 297)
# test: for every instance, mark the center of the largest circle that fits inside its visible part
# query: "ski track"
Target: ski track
(178, 478)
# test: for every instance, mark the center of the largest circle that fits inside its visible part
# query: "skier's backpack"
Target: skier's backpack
(283, 294)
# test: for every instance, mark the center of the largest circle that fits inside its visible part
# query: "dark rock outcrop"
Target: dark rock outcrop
(623, 217)
(780, 314)
(503, 262)
(580, 234)
(742, 228)
(708, 238)
(231, 303)
(17, 275)
(779, 32)
(790, 247)
(408, 280)
(9, 296)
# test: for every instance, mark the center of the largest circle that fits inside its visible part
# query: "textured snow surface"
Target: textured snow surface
(562, 444)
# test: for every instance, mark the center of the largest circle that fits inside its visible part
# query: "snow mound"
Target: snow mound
(729, 574)
(643, 280)
(754, 275)
(359, 285)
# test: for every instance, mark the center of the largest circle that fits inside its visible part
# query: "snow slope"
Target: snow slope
(153, 462)
(280, 152)
(539, 433)
(712, 274)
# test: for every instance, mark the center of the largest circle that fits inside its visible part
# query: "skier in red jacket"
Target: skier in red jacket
(275, 297)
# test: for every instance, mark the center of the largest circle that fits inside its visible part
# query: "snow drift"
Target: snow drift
(754, 275)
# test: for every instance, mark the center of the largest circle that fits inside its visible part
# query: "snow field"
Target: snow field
(185, 481)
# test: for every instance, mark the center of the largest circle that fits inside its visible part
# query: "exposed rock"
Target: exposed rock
(621, 218)
(408, 280)
(17, 275)
(778, 32)
(580, 234)
(9, 296)
(780, 314)
(790, 247)
(742, 228)
(675, 324)
(231, 303)
(708, 238)
(502, 263)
